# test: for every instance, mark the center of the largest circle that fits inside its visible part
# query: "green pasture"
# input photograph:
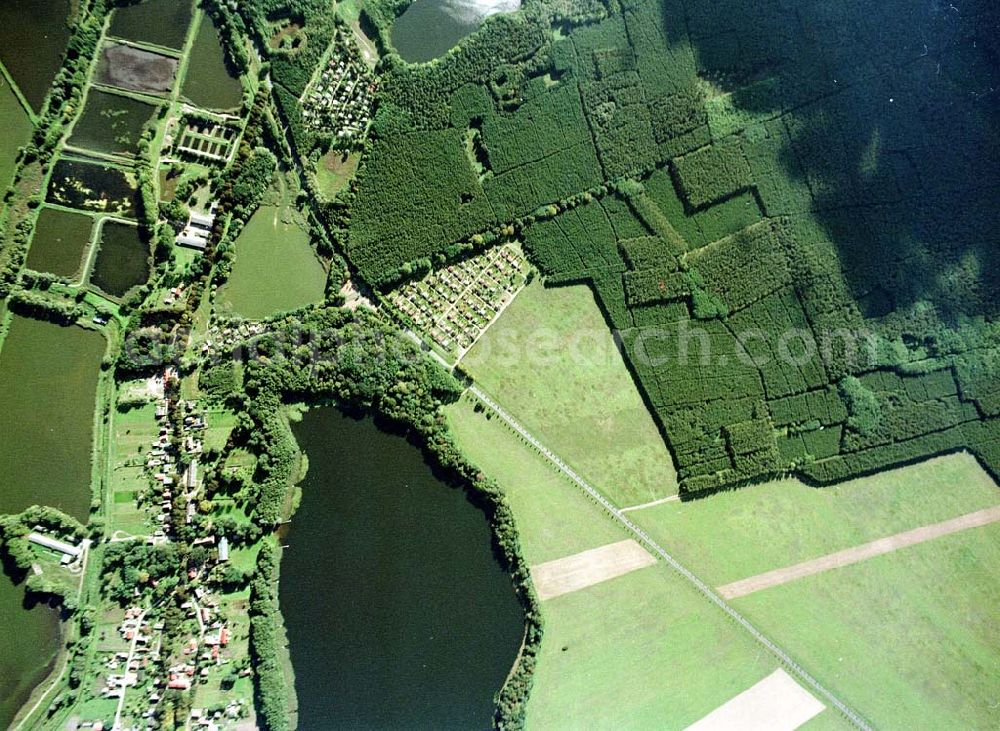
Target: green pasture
(275, 268)
(906, 638)
(552, 363)
(641, 651)
(779, 523)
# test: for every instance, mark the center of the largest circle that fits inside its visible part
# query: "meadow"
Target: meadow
(907, 636)
(643, 650)
(275, 268)
(552, 362)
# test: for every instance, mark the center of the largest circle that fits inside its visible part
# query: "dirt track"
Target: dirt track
(572, 573)
(777, 703)
(858, 553)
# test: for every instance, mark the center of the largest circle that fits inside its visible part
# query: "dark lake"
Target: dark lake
(29, 639)
(430, 28)
(398, 614)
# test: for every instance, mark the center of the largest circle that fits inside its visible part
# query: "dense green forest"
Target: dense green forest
(804, 190)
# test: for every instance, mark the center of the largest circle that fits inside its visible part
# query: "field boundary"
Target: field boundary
(783, 657)
(857, 554)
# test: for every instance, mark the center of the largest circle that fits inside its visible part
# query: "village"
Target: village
(455, 305)
(339, 99)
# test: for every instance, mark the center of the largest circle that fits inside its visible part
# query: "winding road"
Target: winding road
(783, 657)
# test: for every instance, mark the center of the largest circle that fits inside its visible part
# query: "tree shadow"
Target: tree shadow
(892, 113)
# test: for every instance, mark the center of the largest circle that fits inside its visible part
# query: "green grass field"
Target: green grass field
(275, 269)
(134, 431)
(906, 638)
(551, 362)
(641, 651)
(334, 171)
(17, 130)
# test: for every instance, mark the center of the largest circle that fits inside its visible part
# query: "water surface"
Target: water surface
(209, 83)
(33, 36)
(48, 386)
(430, 28)
(122, 259)
(398, 614)
(29, 640)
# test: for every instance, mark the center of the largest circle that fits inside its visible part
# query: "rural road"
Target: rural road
(783, 657)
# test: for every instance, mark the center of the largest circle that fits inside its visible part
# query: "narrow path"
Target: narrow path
(783, 657)
(668, 499)
(859, 553)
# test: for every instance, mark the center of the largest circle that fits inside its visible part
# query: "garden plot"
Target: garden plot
(455, 305)
(206, 141)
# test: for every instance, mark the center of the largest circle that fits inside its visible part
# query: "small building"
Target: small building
(54, 544)
(223, 549)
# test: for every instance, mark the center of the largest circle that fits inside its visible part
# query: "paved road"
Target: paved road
(783, 657)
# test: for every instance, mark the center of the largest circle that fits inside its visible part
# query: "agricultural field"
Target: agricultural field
(693, 659)
(551, 361)
(276, 268)
(897, 649)
(133, 430)
(111, 123)
(17, 130)
(60, 241)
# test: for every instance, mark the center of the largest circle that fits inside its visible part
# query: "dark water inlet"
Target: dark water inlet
(398, 614)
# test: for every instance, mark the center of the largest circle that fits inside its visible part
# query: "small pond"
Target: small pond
(159, 22)
(48, 386)
(93, 187)
(59, 241)
(398, 614)
(209, 83)
(111, 123)
(33, 37)
(29, 640)
(135, 69)
(430, 28)
(122, 259)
